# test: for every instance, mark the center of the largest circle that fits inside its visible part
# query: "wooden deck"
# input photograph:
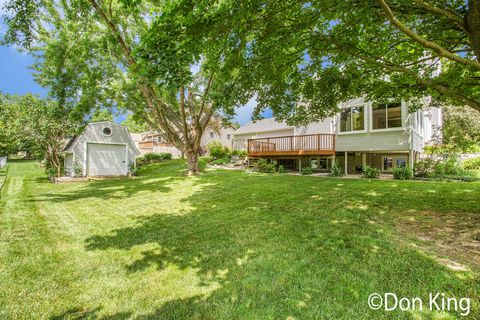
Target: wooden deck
(310, 144)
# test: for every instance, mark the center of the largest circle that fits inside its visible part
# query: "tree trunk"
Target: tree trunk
(473, 26)
(192, 163)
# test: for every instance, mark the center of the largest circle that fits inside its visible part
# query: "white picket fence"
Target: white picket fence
(3, 162)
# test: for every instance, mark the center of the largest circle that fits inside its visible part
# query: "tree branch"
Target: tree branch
(424, 42)
(450, 15)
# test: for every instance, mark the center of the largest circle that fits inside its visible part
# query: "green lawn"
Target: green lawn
(232, 245)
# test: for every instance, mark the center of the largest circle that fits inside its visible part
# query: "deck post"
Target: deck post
(346, 162)
(411, 159)
(364, 159)
(300, 165)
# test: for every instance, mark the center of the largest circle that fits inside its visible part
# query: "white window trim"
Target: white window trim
(365, 106)
(402, 128)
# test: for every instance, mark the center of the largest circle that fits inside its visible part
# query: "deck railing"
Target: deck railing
(320, 143)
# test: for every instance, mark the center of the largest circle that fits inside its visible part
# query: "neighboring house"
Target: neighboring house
(104, 148)
(152, 142)
(384, 136)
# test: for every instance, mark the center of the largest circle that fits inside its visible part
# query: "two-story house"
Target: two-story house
(363, 133)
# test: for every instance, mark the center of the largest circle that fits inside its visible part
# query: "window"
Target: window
(387, 115)
(211, 134)
(318, 164)
(107, 131)
(228, 137)
(401, 163)
(352, 119)
(387, 163)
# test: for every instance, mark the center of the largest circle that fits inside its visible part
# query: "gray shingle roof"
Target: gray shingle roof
(263, 125)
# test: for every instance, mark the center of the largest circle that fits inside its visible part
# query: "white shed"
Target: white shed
(104, 148)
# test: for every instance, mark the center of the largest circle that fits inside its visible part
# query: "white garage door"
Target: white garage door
(106, 159)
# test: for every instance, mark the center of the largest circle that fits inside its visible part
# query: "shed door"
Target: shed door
(106, 159)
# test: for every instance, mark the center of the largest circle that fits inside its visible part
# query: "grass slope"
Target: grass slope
(225, 245)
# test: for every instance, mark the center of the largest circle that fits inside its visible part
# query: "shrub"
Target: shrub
(166, 156)
(442, 169)
(205, 159)
(220, 161)
(218, 151)
(132, 170)
(51, 172)
(424, 167)
(307, 171)
(141, 161)
(281, 169)
(402, 173)
(262, 165)
(77, 169)
(450, 166)
(370, 172)
(336, 171)
(471, 164)
(152, 157)
(239, 153)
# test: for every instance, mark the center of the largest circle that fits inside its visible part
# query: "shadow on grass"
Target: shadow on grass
(154, 178)
(290, 247)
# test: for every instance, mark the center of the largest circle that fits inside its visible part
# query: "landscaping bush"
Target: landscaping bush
(153, 157)
(132, 170)
(402, 173)
(307, 171)
(205, 159)
(449, 169)
(471, 164)
(166, 156)
(51, 172)
(262, 165)
(77, 169)
(141, 161)
(424, 167)
(239, 153)
(221, 161)
(218, 151)
(370, 172)
(450, 166)
(281, 169)
(336, 171)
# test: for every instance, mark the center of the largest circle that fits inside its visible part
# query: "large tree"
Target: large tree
(135, 124)
(152, 73)
(304, 57)
(35, 125)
